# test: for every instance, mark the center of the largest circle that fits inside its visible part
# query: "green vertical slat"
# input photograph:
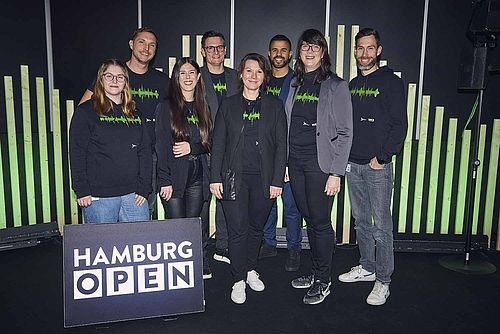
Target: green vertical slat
(12, 145)
(43, 152)
(28, 145)
(3, 214)
(492, 179)
(434, 176)
(448, 176)
(346, 219)
(279, 212)
(339, 64)
(421, 153)
(462, 182)
(73, 205)
(58, 154)
(405, 175)
(479, 177)
(159, 208)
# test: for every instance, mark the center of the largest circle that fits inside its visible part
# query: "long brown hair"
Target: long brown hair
(179, 110)
(313, 36)
(100, 102)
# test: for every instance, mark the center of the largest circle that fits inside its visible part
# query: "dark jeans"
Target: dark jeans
(308, 185)
(154, 184)
(292, 218)
(370, 192)
(246, 217)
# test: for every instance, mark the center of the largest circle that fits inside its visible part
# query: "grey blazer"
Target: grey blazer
(334, 124)
(232, 88)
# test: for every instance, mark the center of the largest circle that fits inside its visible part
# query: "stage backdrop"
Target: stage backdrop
(430, 174)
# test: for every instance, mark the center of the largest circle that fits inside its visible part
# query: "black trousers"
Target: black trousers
(192, 203)
(308, 185)
(246, 217)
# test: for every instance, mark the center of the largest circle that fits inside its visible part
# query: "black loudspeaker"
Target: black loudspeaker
(473, 68)
(486, 17)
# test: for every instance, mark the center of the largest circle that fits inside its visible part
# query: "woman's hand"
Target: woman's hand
(139, 200)
(166, 192)
(216, 189)
(84, 201)
(332, 186)
(181, 149)
(274, 192)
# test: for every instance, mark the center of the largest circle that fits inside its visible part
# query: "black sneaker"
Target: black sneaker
(267, 250)
(303, 282)
(207, 272)
(222, 255)
(293, 260)
(317, 293)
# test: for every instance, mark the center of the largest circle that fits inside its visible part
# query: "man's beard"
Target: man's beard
(368, 66)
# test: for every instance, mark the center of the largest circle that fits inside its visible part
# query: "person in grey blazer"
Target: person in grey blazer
(249, 138)
(220, 81)
(319, 114)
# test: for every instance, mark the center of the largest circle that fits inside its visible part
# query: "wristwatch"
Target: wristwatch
(380, 161)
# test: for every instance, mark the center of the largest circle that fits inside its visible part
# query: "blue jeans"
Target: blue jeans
(115, 209)
(370, 192)
(292, 219)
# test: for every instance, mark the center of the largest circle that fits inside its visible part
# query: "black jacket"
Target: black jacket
(272, 134)
(171, 170)
(110, 155)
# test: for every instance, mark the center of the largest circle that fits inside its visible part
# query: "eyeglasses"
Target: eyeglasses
(307, 47)
(211, 48)
(120, 78)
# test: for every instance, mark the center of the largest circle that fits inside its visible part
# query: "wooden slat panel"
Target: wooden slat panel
(28, 145)
(492, 181)
(12, 147)
(462, 182)
(185, 45)
(339, 65)
(58, 160)
(199, 56)
(407, 147)
(479, 177)
(420, 169)
(353, 69)
(448, 176)
(73, 205)
(434, 176)
(43, 152)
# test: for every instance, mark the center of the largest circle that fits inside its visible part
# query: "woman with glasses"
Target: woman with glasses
(319, 114)
(183, 128)
(110, 151)
(249, 140)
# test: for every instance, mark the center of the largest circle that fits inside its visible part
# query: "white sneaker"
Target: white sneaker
(238, 295)
(379, 294)
(254, 281)
(357, 274)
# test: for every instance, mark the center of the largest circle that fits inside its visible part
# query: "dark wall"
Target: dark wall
(85, 33)
(22, 30)
(172, 19)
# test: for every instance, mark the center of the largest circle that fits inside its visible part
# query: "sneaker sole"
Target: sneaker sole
(301, 286)
(319, 301)
(221, 259)
(256, 289)
(370, 278)
(205, 276)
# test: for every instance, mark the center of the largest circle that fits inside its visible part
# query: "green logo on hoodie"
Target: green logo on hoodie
(364, 92)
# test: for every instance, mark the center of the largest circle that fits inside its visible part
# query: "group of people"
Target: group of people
(247, 136)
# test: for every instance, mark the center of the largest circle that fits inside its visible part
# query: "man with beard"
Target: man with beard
(220, 82)
(280, 54)
(148, 87)
(380, 123)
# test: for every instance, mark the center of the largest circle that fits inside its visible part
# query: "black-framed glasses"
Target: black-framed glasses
(306, 47)
(211, 48)
(120, 78)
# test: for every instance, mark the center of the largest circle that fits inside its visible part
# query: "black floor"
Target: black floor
(425, 298)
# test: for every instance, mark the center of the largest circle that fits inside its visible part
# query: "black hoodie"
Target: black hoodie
(110, 155)
(379, 116)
